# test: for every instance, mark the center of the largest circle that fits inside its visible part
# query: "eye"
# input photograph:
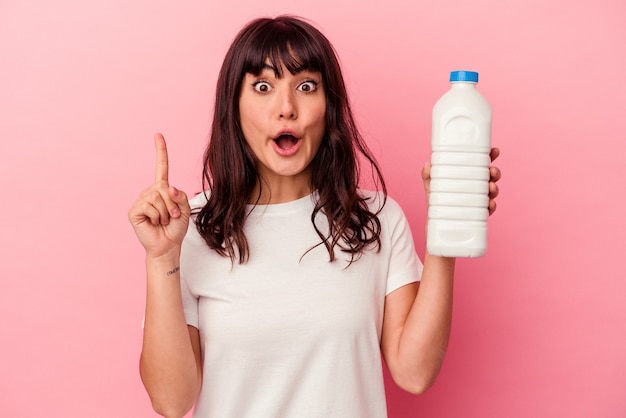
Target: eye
(308, 86)
(262, 87)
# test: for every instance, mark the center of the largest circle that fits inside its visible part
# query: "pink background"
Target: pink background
(539, 323)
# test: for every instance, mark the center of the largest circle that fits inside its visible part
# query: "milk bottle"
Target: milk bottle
(459, 186)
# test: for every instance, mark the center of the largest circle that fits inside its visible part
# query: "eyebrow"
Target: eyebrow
(267, 66)
(270, 67)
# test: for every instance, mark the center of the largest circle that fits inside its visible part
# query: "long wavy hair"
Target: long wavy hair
(230, 167)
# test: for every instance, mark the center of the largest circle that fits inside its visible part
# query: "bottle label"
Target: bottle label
(462, 133)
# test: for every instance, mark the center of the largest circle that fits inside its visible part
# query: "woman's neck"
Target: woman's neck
(280, 189)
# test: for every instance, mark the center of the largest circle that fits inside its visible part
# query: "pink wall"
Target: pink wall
(539, 322)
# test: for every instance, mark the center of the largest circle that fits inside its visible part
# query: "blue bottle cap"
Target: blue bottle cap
(467, 76)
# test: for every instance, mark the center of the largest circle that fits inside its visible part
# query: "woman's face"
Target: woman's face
(283, 122)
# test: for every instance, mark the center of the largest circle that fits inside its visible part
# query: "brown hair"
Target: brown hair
(230, 166)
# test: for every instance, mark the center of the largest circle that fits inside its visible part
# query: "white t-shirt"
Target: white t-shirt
(290, 334)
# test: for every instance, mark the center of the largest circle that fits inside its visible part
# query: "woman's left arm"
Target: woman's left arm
(418, 316)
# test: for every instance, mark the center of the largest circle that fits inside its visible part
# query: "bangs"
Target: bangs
(283, 46)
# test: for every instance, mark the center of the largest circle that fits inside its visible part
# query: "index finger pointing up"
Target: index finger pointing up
(161, 158)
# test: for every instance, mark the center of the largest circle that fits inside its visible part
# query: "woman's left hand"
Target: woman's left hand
(494, 176)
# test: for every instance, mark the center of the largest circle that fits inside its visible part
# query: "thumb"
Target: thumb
(180, 198)
(426, 171)
(426, 180)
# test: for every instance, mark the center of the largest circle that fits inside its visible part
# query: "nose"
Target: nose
(287, 106)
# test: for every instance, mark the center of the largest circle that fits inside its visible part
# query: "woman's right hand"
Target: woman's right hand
(160, 216)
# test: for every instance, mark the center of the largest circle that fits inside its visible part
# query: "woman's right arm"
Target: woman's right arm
(170, 363)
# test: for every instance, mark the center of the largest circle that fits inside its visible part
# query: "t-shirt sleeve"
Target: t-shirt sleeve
(404, 264)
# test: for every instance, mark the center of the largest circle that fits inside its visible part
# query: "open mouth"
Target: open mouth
(286, 141)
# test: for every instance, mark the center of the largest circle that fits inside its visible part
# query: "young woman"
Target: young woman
(274, 293)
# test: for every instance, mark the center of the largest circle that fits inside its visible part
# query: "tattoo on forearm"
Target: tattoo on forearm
(169, 273)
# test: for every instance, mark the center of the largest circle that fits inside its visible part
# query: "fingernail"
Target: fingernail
(175, 212)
